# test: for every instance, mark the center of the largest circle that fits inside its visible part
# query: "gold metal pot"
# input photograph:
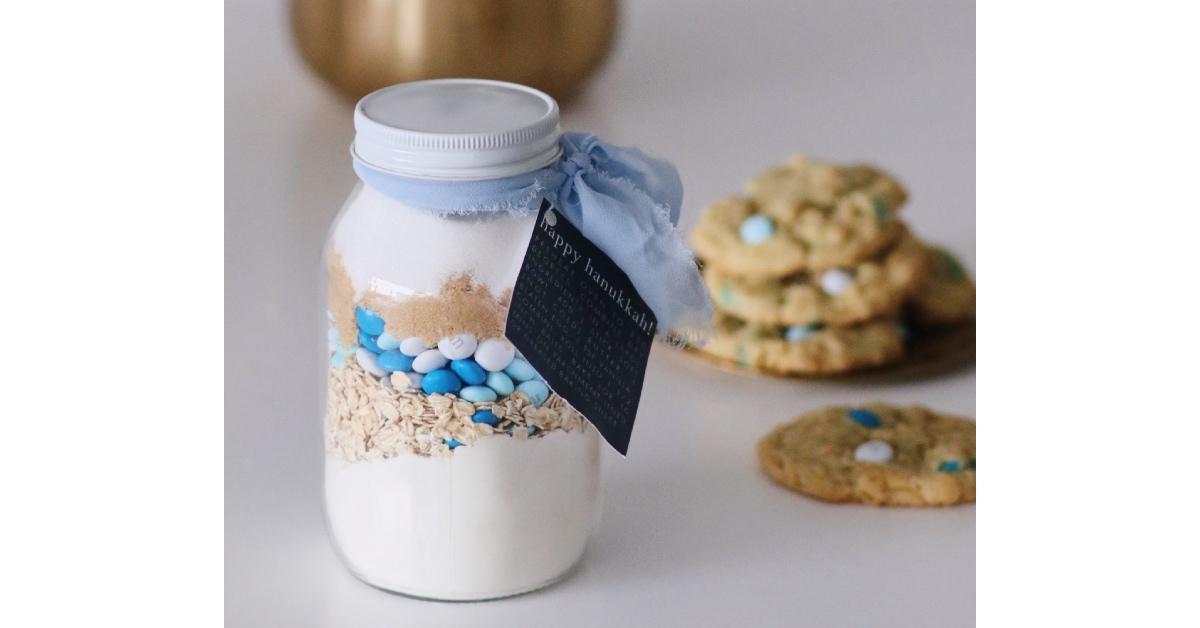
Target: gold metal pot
(362, 45)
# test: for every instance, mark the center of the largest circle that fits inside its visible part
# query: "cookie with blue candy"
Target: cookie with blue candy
(808, 350)
(873, 288)
(875, 453)
(945, 295)
(801, 215)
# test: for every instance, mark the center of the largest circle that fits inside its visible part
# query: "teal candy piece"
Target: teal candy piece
(486, 416)
(469, 372)
(797, 333)
(882, 213)
(950, 267)
(865, 418)
(949, 466)
(520, 370)
(501, 383)
(392, 361)
(441, 382)
(452, 443)
(368, 321)
(368, 343)
(535, 390)
(756, 230)
(477, 394)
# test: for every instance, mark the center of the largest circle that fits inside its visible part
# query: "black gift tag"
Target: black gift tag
(579, 321)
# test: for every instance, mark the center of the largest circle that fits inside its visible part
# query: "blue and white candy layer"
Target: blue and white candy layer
(476, 370)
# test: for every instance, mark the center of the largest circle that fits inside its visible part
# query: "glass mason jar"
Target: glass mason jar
(451, 470)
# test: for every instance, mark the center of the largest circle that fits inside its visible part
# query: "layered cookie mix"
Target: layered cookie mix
(428, 373)
(874, 454)
(813, 273)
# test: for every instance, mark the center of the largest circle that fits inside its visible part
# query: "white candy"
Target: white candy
(875, 451)
(836, 280)
(429, 360)
(366, 359)
(406, 381)
(458, 347)
(412, 347)
(387, 342)
(494, 354)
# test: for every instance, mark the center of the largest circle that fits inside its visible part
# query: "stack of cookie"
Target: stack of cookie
(813, 273)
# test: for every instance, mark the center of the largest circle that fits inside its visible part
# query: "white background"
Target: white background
(691, 533)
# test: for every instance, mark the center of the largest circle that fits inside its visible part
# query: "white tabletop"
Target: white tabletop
(692, 533)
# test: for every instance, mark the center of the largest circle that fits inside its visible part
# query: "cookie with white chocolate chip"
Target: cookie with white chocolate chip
(837, 296)
(875, 454)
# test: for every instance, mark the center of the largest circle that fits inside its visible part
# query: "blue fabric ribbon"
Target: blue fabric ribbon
(624, 201)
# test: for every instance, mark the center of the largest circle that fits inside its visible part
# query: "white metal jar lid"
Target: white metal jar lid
(457, 129)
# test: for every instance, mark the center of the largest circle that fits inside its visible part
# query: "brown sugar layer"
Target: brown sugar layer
(341, 299)
(461, 306)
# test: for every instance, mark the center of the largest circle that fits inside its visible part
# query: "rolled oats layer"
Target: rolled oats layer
(369, 418)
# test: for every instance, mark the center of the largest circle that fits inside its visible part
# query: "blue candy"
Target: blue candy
(469, 372)
(949, 466)
(452, 443)
(477, 394)
(537, 391)
(501, 383)
(756, 229)
(368, 321)
(368, 343)
(865, 418)
(392, 361)
(520, 370)
(486, 416)
(441, 381)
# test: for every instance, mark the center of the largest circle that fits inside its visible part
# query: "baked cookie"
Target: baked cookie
(841, 214)
(837, 296)
(874, 454)
(732, 234)
(946, 295)
(804, 350)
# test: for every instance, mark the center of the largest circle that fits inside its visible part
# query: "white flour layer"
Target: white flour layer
(379, 237)
(497, 518)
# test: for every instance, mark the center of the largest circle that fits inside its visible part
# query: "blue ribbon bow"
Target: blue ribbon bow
(624, 201)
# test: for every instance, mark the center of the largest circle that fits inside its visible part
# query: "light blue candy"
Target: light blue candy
(756, 229)
(535, 390)
(451, 443)
(368, 343)
(340, 355)
(486, 416)
(796, 333)
(441, 382)
(392, 361)
(387, 342)
(477, 394)
(368, 321)
(469, 372)
(501, 383)
(520, 370)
